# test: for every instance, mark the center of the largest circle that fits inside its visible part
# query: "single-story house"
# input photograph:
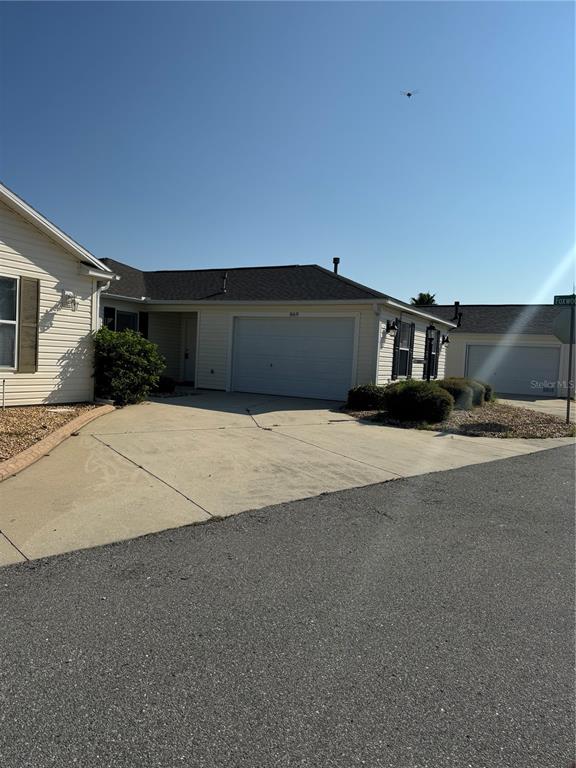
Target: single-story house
(298, 330)
(511, 346)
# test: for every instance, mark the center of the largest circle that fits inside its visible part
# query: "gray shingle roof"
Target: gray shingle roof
(501, 318)
(291, 283)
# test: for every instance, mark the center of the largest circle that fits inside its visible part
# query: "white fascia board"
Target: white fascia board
(98, 273)
(410, 309)
(141, 300)
(51, 230)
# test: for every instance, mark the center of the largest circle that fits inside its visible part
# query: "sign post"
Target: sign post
(569, 301)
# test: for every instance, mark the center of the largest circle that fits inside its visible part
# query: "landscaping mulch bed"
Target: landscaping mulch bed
(22, 426)
(491, 420)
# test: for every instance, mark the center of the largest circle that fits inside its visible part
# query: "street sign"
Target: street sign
(566, 332)
(565, 301)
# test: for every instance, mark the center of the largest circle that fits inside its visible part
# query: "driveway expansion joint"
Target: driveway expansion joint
(156, 477)
(9, 540)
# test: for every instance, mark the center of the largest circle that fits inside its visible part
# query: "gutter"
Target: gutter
(232, 302)
(98, 274)
(198, 303)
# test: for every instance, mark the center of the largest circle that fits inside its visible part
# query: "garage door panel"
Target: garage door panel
(305, 357)
(520, 370)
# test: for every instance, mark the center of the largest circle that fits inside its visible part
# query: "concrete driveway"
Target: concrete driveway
(186, 460)
(553, 405)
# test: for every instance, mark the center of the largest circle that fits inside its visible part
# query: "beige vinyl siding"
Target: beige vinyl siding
(386, 347)
(64, 347)
(215, 328)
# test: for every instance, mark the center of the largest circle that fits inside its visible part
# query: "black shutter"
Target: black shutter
(396, 356)
(411, 352)
(437, 355)
(109, 317)
(143, 323)
(28, 325)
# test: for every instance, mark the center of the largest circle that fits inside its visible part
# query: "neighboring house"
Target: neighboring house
(511, 346)
(292, 330)
(49, 291)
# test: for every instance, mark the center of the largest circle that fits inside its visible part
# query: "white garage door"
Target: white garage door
(515, 370)
(298, 356)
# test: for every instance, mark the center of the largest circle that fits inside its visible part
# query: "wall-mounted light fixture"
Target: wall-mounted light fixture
(391, 326)
(445, 339)
(69, 301)
(428, 353)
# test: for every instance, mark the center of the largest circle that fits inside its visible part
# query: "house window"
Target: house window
(117, 320)
(109, 317)
(126, 321)
(8, 321)
(403, 348)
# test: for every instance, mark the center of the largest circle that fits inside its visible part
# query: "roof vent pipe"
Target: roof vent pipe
(224, 281)
(456, 310)
(336, 261)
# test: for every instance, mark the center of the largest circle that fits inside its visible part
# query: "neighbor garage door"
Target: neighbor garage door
(515, 370)
(298, 356)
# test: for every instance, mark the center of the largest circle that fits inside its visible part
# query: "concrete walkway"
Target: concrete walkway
(552, 405)
(186, 460)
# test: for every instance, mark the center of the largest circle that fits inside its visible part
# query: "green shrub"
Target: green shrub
(166, 385)
(365, 397)
(461, 391)
(126, 366)
(477, 387)
(413, 400)
(489, 395)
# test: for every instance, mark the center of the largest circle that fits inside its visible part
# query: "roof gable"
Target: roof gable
(32, 216)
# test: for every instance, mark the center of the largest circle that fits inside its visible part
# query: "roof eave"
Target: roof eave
(18, 205)
(412, 309)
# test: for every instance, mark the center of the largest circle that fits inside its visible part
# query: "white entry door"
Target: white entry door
(515, 370)
(294, 356)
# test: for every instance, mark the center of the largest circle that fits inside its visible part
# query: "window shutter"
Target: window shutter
(396, 356)
(143, 323)
(411, 353)
(28, 311)
(437, 355)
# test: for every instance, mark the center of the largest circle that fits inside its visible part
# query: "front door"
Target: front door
(189, 368)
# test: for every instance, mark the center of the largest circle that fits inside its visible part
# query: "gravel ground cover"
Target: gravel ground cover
(22, 426)
(491, 420)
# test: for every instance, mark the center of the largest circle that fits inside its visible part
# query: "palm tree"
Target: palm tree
(423, 299)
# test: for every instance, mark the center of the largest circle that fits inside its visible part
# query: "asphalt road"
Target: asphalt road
(423, 622)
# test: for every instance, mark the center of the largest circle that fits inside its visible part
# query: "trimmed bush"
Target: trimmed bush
(478, 389)
(126, 366)
(489, 395)
(366, 397)
(460, 391)
(413, 400)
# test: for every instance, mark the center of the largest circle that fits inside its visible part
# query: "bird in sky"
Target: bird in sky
(408, 94)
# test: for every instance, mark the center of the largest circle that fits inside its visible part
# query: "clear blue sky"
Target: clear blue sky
(198, 135)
